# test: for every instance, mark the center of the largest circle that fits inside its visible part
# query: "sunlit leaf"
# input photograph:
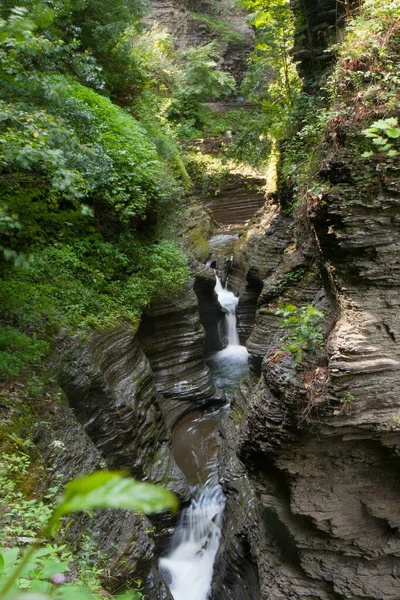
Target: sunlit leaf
(104, 489)
(393, 132)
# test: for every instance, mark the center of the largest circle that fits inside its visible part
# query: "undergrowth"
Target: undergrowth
(361, 89)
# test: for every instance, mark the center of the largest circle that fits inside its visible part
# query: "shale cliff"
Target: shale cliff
(320, 437)
(199, 22)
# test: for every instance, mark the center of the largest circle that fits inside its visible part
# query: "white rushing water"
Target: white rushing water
(229, 301)
(228, 366)
(188, 568)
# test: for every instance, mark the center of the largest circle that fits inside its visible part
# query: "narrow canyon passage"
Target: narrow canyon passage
(188, 566)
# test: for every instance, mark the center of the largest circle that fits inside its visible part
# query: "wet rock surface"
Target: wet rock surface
(211, 314)
(172, 338)
(235, 568)
(238, 199)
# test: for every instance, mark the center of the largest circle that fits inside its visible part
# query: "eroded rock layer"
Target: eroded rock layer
(110, 386)
(320, 438)
(172, 338)
(124, 539)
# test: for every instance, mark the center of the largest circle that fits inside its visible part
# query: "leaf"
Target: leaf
(10, 558)
(107, 489)
(393, 132)
(384, 123)
(367, 154)
(392, 153)
(75, 592)
(29, 596)
(42, 587)
(379, 141)
(392, 121)
(53, 568)
(370, 132)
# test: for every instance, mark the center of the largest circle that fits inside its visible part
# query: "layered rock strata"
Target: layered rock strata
(172, 338)
(211, 314)
(123, 421)
(110, 386)
(321, 439)
(124, 539)
(236, 202)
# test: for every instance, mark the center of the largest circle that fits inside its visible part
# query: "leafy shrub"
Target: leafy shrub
(385, 134)
(18, 350)
(39, 569)
(200, 80)
(303, 329)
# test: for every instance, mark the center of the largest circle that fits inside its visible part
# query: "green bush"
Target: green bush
(303, 329)
(17, 350)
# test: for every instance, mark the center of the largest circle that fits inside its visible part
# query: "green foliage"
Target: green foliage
(301, 153)
(86, 283)
(86, 38)
(40, 570)
(347, 399)
(367, 68)
(111, 490)
(385, 135)
(224, 30)
(272, 75)
(207, 172)
(79, 175)
(18, 350)
(303, 329)
(200, 80)
(21, 514)
(359, 88)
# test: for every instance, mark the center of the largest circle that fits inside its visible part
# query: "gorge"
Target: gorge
(217, 316)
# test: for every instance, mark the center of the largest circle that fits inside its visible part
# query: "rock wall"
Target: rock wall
(123, 539)
(321, 439)
(127, 391)
(109, 384)
(172, 338)
(188, 25)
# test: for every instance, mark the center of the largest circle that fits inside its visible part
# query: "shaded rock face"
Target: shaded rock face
(172, 338)
(183, 22)
(109, 384)
(247, 307)
(321, 439)
(122, 538)
(124, 422)
(235, 568)
(318, 21)
(360, 237)
(211, 315)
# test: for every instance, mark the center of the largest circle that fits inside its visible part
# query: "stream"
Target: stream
(188, 567)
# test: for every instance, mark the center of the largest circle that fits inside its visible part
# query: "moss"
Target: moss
(222, 29)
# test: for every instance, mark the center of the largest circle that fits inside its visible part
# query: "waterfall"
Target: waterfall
(229, 301)
(188, 567)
